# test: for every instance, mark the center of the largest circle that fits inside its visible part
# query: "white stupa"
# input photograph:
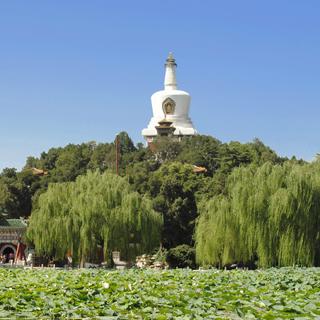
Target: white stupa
(170, 104)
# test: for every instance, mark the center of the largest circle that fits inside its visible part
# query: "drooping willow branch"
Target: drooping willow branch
(270, 215)
(95, 211)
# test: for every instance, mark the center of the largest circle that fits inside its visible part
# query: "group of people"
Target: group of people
(7, 258)
(10, 258)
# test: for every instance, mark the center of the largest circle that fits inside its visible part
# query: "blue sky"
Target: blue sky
(75, 71)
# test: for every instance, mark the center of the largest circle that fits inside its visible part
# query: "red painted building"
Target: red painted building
(12, 233)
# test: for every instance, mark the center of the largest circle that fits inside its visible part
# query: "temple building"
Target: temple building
(170, 108)
(12, 232)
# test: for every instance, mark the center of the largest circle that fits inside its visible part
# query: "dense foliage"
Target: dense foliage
(247, 200)
(286, 293)
(92, 216)
(182, 256)
(16, 189)
(270, 215)
(19, 191)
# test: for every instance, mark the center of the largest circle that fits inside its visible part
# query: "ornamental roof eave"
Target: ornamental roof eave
(13, 224)
(12, 228)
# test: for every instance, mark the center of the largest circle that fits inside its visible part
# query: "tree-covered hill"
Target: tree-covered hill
(19, 190)
(199, 209)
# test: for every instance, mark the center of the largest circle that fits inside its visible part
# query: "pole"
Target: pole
(117, 154)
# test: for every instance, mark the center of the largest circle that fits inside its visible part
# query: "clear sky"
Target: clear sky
(76, 71)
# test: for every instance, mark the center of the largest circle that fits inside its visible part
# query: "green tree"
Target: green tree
(4, 197)
(126, 144)
(96, 211)
(269, 216)
(202, 151)
(18, 201)
(102, 157)
(173, 189)
(165, 149)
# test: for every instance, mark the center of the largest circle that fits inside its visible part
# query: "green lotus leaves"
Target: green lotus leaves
(285, 293)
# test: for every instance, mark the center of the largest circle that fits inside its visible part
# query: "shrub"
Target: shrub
(182, 256)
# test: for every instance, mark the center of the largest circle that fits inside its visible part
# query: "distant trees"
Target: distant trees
(201, 151)
(270, 215)
(138, 162)
(233, 202)
(4, 197)
(173, 189)
(167, 176)
(93, 215)
(15, 192)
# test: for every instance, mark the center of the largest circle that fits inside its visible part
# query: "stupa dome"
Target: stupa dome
(172, 104)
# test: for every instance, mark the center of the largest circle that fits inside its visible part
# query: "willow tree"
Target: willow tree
(96, 211)
(269, 215)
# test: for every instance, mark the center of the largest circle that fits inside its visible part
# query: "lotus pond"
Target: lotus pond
(286, 293)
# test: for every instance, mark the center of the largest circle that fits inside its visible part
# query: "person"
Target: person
(11, 258)
(29, 259)
(69, 258)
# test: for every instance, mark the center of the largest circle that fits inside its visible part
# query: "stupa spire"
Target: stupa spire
(170, 81)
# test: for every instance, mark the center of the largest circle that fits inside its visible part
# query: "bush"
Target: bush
(182, 256)
(161, 255)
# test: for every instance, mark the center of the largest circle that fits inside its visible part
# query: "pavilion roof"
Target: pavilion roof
(12, 223)
(197, 169)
